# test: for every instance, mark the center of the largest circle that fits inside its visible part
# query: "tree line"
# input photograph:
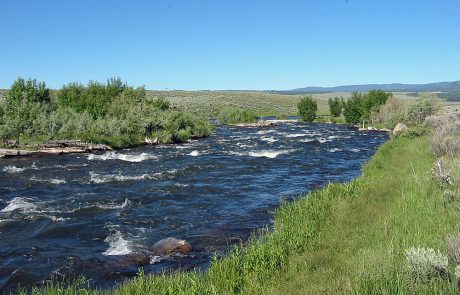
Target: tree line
(356, 109)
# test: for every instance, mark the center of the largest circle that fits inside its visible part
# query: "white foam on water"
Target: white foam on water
(51, 180)
(271, 154)
(19, 203)
(294, 135)
(164, 174)
(334, 150)
(333, 137)
(266, 131)
(194, 153)
(114, 206)
(308, 140)
(122, 157)
(243, 145)
(117, 244)
(103, 178)
(57, 219)
(355, 150)
(268, 139)
(13, 169)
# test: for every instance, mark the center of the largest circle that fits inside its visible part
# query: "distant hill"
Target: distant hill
(395, 87)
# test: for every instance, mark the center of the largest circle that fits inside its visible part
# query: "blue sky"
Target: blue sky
(219, 44)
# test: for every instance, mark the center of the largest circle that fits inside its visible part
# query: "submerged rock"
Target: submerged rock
(170, 246)
(399, 128)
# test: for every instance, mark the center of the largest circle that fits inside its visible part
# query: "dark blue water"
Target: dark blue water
(64, 216)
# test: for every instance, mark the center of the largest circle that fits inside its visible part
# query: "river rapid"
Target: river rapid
(71, 215)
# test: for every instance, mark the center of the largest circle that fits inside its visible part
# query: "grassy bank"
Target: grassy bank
(346, 238)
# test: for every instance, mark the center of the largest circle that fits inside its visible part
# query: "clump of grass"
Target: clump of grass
(448, 197)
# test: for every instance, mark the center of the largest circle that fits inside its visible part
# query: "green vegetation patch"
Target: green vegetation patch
(112, 113)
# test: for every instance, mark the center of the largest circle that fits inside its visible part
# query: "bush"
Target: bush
(111, 113)
(161, 103)
(307, 107)
(445, 139)
(335, 106)
(423, 107)
(353, 110)
(236, 115)
(425, 263)
(453, 246)
(391, 113)
(371, 101)
(441, 175)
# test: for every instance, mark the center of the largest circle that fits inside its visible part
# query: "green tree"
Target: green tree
(353, 109)
(23, 104)
(307, 107)
(371, 101)
(335, 106)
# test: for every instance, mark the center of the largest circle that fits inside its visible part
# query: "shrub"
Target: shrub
(445, 138)
(440, 174)
(371, 101)
(423, 107)
(391, 113)
(353, 110)
(307, 107)
(335, 106)
(230, 115)
(453, 246)
(111, 113)
(161, 103)
(425, 263)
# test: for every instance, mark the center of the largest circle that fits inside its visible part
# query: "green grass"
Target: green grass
(344, 239)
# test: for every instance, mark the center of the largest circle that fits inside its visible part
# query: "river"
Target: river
(65, 216)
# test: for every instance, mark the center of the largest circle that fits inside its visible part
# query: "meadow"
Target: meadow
(263, 103)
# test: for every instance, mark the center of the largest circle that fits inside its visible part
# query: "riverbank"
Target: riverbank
(346, 238)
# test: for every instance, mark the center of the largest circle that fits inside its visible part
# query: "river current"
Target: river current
(72, 215)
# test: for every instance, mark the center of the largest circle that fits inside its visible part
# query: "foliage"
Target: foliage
(23, 103)
(353, 109)
(453, 246)
(423, 107)
(372, 100)
(307, 107)
(446, 134)
(361, 105)
(335, 106)
(112, 113)
(236, 115)
(425, 263)
(391, 113)
(161, 103)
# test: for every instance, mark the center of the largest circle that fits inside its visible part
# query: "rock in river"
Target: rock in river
(170, 246)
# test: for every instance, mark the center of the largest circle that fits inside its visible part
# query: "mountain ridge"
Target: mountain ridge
(394, 87)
